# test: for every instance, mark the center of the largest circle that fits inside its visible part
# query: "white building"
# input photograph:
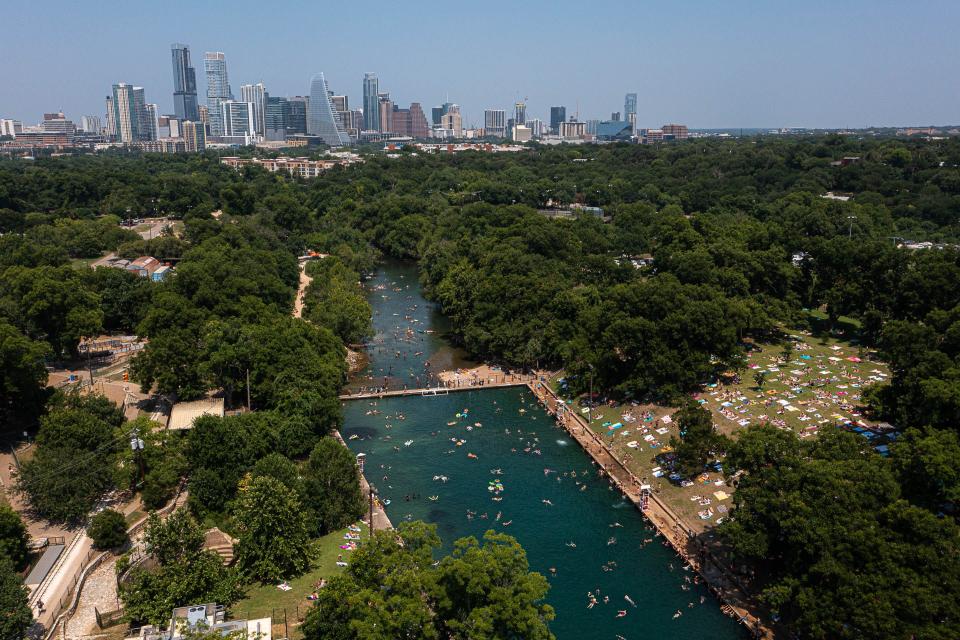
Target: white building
(256, 95)
(522, 133)
(10, 127)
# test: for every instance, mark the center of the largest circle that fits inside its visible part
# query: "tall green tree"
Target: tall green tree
(16, 615)
(332, 485)
(13, 538)
(273, 543)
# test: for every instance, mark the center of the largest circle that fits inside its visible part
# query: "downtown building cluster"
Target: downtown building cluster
(253, 116)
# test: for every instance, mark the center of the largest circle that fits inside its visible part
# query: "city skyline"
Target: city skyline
(695, 63)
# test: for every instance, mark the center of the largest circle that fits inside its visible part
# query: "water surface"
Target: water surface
(576, 530)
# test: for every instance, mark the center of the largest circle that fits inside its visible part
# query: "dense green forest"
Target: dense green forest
(741, 244)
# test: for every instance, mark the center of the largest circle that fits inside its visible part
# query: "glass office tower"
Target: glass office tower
(184, 83)
(321, 120)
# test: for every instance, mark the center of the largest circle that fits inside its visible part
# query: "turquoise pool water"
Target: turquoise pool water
(577, 531)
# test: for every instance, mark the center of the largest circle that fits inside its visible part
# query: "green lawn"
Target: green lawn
(82, 263)
(262, 600)
(818, 388)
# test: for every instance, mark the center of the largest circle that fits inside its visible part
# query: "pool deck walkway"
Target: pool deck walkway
(680, 536)
(503, 380)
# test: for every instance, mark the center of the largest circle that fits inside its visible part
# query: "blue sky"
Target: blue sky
(845, 63)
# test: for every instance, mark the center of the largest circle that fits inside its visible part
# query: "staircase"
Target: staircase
(220, 543)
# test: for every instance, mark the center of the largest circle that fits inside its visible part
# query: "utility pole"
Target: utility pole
(137, 445)
(371, 510)
(590, 403)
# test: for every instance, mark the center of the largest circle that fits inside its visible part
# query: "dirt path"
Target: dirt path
(305, 281)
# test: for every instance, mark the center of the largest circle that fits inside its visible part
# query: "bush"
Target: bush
(108, 529)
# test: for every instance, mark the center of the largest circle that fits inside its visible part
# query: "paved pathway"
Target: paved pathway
(100, 591)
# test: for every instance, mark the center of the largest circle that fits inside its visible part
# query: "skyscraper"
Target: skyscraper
(320, 118)
(238, 118)
(218, 89)
(418, 121)
(451, 120)
(495, 122)
(256, 94)
(194, 135)
(520, 113)
(557, 116)
(111, 118)
(275, 118)
(536, 127)
(296, 115)
(630, 111)
(151, 122)
(184, 83)
(371, 102)
(630, 104)
(386, 106)
(90, 124)
(129, 113)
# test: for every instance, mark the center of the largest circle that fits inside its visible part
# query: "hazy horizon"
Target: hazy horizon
(746, 64)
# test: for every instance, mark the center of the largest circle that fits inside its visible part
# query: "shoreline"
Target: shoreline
(733, 596)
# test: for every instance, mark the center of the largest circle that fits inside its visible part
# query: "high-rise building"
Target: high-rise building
(400, 121)
(194, 135)
(615, 116)
(130, 113)
(436, 114)
(385, 106)
(275, 118)
(452, 121)
(536, 127)
(495, 122)
(572, 129)
(296, 115)
(238, 119)
(321, 120)
(218, 89)
(11, 128)
(520, 113)
(151, 122)
(630, 104)
(204, 114)
(111, 118)
(630, 111)
(356, 117)
(90, 124)
(256, 94)
(558, 115)
(675, 131)
(184, 83)
(341, 109)
(371, 102)
(521, 133)
(58, 123)
(340, 103)
(418, 122)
